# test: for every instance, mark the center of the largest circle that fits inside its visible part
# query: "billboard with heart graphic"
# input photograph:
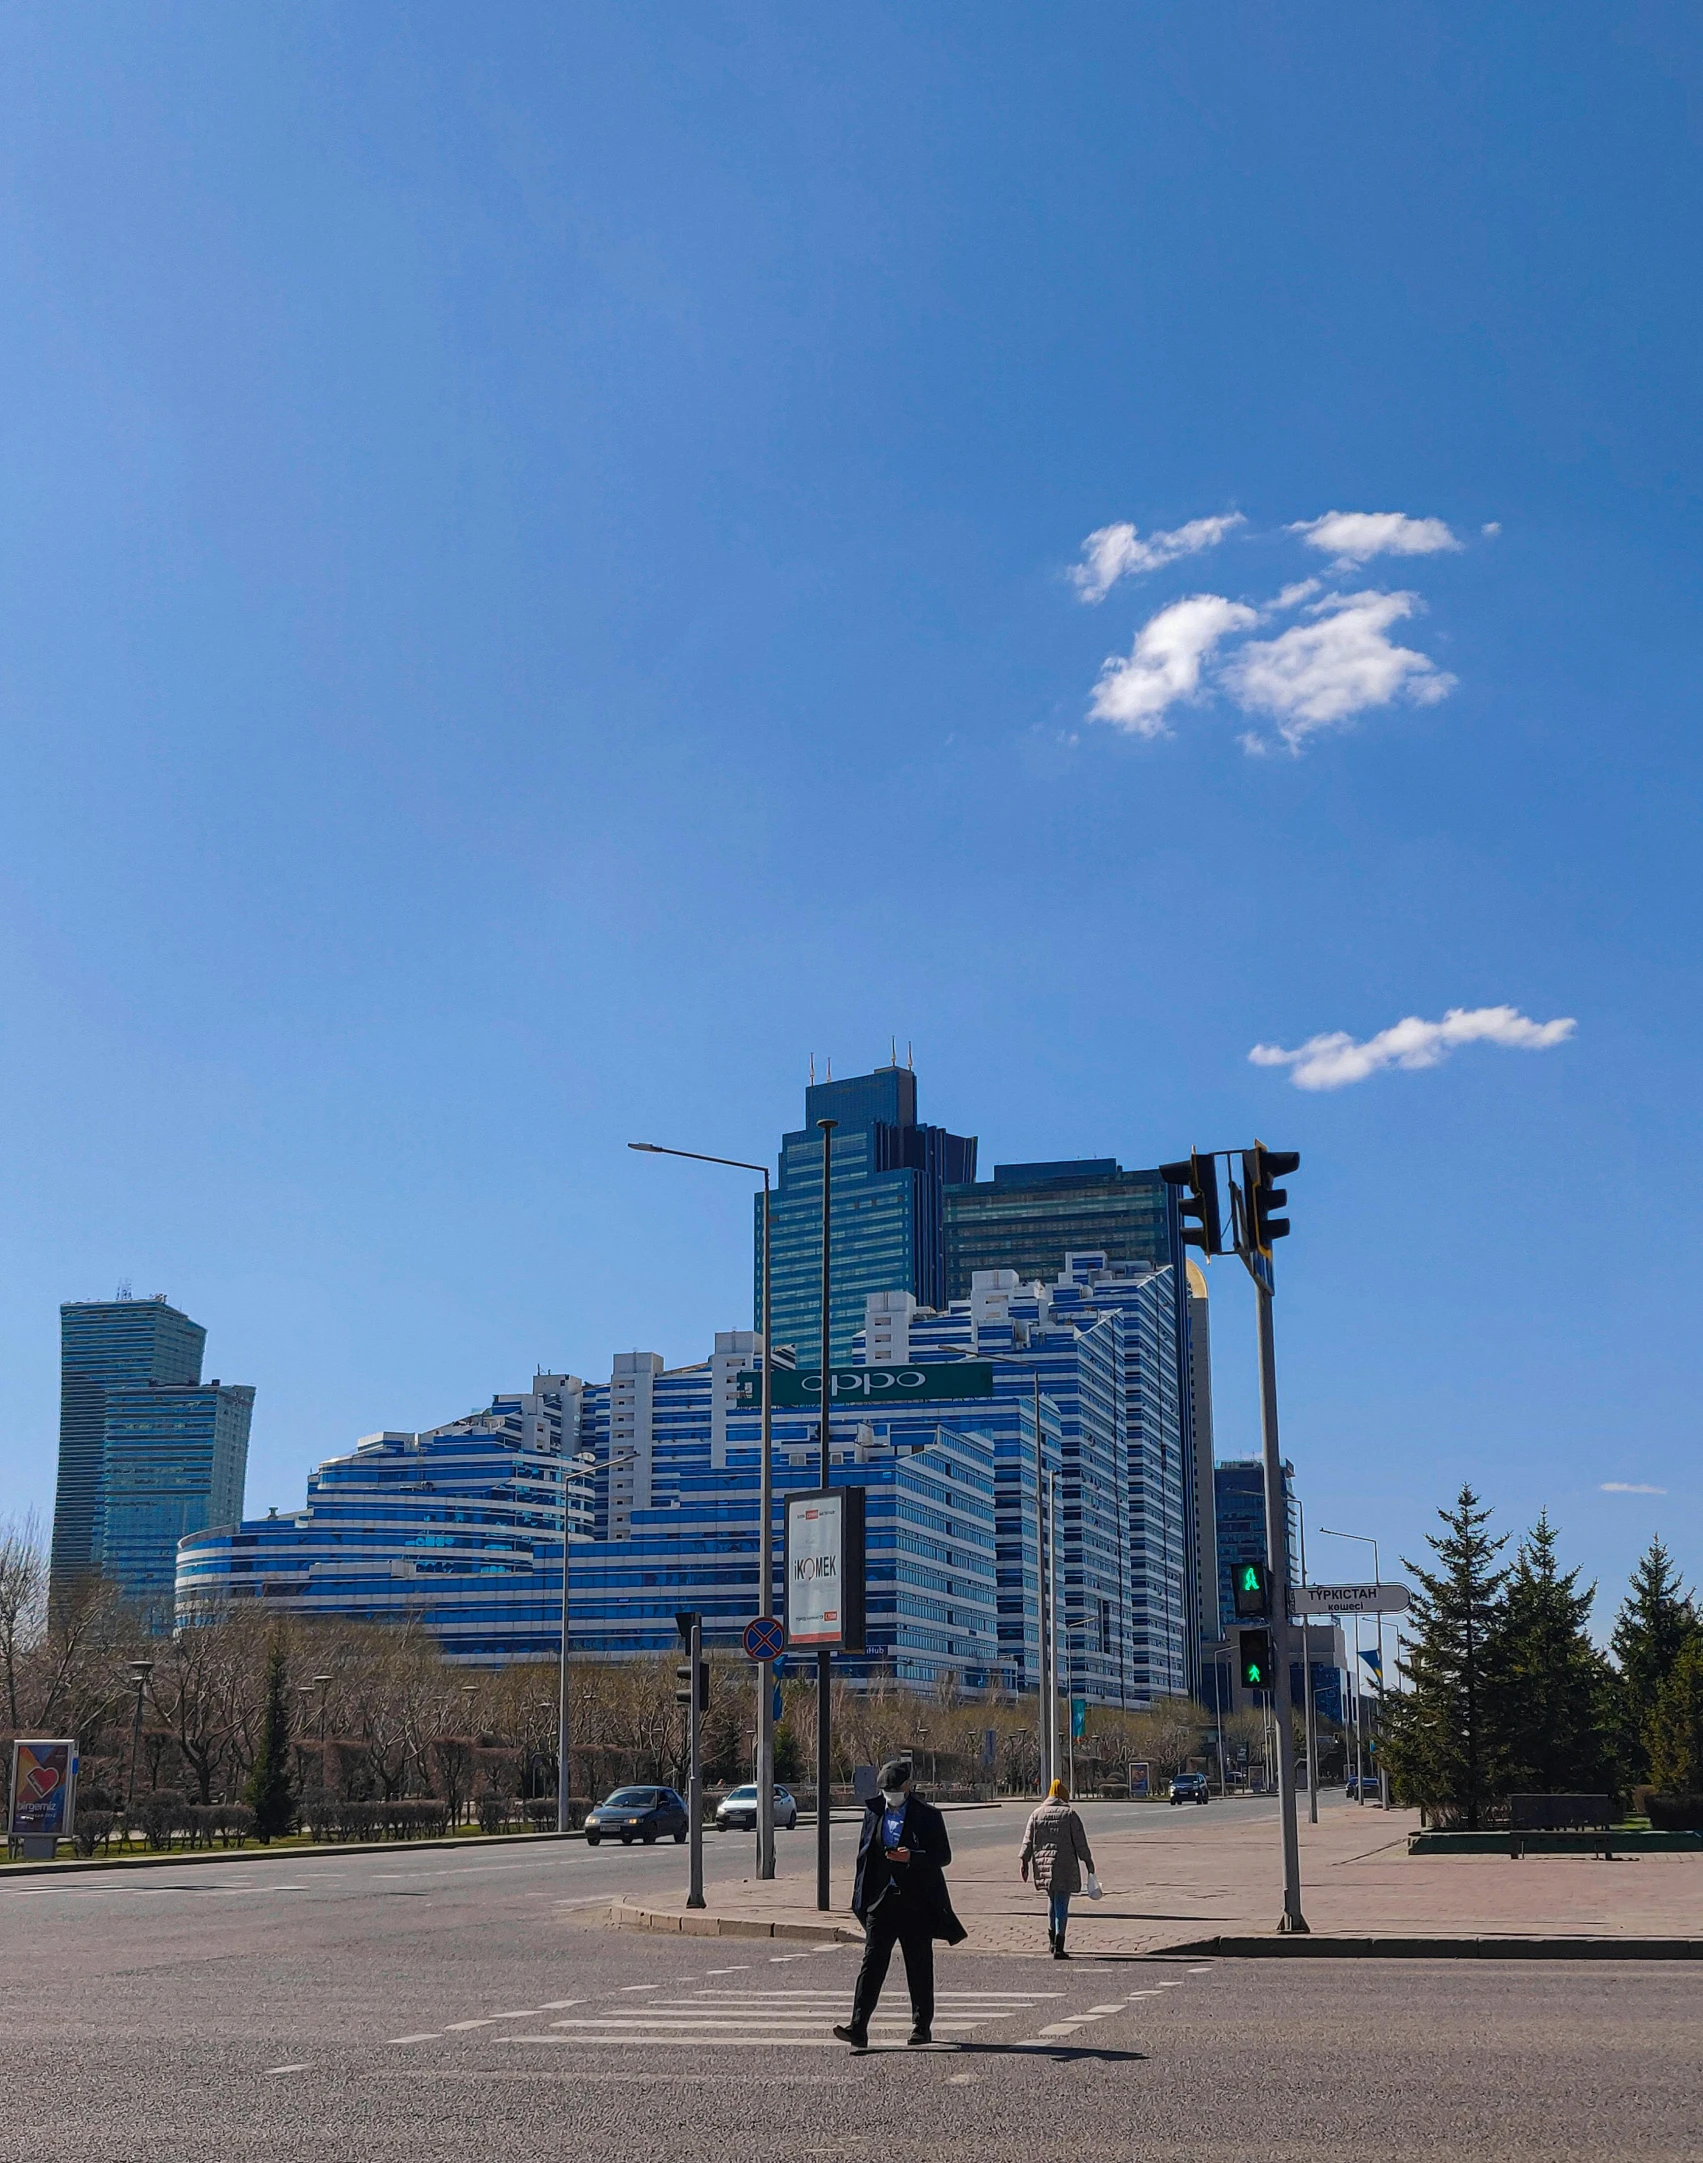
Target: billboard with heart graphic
(44, 1790)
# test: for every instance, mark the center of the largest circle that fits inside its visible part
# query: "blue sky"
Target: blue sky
(537, 594)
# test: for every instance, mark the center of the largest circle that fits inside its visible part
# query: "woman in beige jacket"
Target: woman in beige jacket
(1056, 1848)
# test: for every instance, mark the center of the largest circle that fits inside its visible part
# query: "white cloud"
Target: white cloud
(1355, 537)
(1164, 664)
(1114, 552)
(1492, 530)
(1322, 672)
(1629, 1487)
(1335, 1060)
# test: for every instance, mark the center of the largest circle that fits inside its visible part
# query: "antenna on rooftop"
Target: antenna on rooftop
(830, 1066)
(892, 1051)
(123, 1288)
(909, 1061)
(812, 1070)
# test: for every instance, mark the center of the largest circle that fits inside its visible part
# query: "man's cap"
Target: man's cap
(896, 1773)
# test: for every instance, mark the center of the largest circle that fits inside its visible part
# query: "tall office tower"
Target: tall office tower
(104, 1343)
(1206, 1623)
(175, 1459)
(890, 1175)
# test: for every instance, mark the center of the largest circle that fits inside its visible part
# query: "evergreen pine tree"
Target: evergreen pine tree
(1553, 1688)
(1674, 1734)
(1442, 1746)
(1656, 1620)
(270, 1794)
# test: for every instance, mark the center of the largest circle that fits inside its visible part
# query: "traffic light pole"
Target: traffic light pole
(695, 1769)
(1277, 1549)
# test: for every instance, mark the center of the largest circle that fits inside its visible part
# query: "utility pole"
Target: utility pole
(1307, 1686)
(1277, 1547)
(1052, 1621)
(824, 1665)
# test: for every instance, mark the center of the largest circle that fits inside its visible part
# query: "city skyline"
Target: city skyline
(558, 569)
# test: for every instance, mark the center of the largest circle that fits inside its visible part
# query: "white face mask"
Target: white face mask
(892, 1797)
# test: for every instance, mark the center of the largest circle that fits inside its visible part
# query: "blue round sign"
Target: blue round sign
(765, 1639)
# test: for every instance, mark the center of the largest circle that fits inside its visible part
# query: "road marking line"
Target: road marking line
(1201, 1971)
(627, 1987)
(456, 2027)
(1106, 2008)
(691, 2042)
(740, 1970)
(304, 2067)
(559, 2005)
(432, 2035)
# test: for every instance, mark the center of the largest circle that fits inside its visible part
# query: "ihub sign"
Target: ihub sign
(941, 1381)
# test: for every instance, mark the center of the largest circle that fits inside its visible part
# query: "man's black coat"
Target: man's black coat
(920, 1884)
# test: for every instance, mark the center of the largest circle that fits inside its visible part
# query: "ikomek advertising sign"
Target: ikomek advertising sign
(824, 1570)
(44, 1785)
(858, 1387)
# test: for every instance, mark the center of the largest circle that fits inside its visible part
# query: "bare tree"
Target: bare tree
(23, 1600)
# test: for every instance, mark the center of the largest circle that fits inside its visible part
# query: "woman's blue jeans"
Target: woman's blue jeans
(1058, 1911)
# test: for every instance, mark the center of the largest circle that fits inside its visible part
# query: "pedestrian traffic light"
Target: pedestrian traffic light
(1254, 1658)
(683, 1685)
(1203, 1225)
(1260, 1167)
(1250, 1583)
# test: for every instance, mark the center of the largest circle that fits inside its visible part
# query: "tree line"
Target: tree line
(1504, 1691)
(256, 1721)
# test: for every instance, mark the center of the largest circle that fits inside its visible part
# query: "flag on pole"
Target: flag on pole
(1374, 1660)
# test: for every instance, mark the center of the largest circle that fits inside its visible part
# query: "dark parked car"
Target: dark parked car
(1189, 1787)
(636, 1813)
(737, 1811)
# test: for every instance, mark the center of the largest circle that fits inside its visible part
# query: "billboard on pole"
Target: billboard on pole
(44, 1790)
(824, 1570)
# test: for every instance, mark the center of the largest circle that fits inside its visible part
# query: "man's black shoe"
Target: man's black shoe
(851, 2036)
(917, 2037)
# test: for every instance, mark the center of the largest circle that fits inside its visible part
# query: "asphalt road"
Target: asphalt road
(458, 2003)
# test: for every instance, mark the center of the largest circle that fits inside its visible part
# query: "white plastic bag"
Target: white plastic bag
(1093, 1886)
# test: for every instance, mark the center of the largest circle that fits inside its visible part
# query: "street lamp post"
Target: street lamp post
(141, 1670)
(824, 1665)
(1366, 1540)
(766, 1534)
(1307, 1685)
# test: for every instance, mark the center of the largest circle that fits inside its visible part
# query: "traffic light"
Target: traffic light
(683, 1685)
(1255, 1660)
(1260, 1167)
(1203, 1224)
(1250, 1583)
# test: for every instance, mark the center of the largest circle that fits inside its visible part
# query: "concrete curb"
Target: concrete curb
(624, 1916)
(1415, 1948)
(182, 1858)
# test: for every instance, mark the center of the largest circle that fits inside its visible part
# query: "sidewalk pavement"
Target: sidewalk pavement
(1198, 1879)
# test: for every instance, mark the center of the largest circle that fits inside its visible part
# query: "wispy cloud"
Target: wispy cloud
(1629, 1487)
(1355, 537)
(1114, 552)
(1335, 1060)
(1320, 673)
(1164, 665)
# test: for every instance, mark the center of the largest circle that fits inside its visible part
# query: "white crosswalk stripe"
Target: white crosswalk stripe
(719, 2017)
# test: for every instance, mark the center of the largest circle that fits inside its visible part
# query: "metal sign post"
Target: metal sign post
(824, 1739)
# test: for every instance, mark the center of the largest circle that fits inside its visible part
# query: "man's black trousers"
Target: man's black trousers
(894, 1921)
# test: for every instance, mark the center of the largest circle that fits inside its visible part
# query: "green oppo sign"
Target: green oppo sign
(941, 1381)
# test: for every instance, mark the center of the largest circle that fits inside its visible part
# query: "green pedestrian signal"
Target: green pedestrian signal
(1250, 1586)
(1254, 1659)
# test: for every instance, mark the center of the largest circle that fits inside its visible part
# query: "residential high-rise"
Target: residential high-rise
(103, 1344)
(890, 1175)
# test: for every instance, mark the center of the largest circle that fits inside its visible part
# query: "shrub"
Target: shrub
(1676, 1813)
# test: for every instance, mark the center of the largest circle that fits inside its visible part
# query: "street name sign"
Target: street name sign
(940, 1381)
(1362, 1599)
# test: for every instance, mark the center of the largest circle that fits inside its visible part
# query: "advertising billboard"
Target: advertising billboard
(44, 1790)
(824, 1570)
(854, 1388)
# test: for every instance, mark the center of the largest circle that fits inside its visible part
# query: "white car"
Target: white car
(737, 1812)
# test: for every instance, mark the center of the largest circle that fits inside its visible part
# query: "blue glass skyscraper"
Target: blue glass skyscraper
(888, 1208)
(104, 1343)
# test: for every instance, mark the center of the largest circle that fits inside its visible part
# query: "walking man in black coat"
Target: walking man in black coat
(900, 1898)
